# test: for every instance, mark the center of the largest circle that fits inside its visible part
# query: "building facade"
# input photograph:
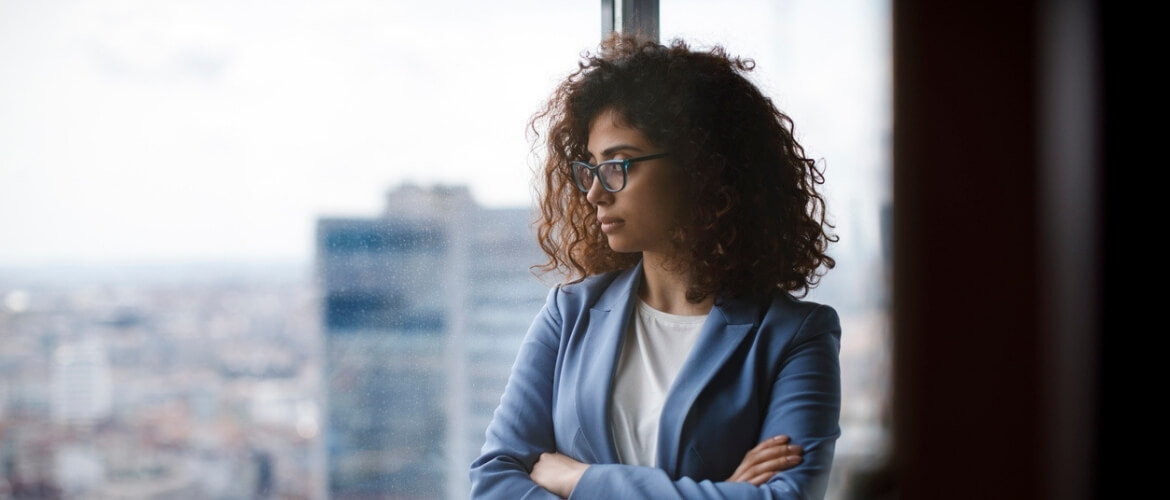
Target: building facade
(422, 310)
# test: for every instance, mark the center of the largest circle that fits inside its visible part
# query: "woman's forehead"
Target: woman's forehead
(609, 130)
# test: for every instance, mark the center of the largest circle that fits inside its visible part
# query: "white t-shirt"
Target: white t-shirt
(655, 348)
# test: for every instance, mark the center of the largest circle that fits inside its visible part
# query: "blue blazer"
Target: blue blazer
(759, 368)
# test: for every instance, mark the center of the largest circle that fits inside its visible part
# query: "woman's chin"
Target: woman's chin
(619, 246)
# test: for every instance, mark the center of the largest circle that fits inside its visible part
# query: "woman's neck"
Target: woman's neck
(665, 288)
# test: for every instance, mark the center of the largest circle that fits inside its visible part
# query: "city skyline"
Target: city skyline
(236, 378)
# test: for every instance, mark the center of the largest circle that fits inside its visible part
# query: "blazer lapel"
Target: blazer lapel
(603, 344)
(728, 323)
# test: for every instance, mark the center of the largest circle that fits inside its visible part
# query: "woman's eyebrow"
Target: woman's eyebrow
(612, 150)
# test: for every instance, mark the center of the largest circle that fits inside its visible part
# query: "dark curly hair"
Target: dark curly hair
(757, 222)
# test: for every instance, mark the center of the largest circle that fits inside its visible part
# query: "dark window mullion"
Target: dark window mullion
(637, 16)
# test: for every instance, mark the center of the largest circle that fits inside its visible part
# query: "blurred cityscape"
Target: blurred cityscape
(371, 373)
(124, 385)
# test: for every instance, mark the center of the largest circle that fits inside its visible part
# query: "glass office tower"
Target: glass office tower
(423, 309)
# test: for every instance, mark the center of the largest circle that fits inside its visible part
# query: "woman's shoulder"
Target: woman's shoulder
(592, 289)
(786, 300)
(801, 313)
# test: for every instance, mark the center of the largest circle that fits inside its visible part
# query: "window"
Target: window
(827, 65)
(249, 249)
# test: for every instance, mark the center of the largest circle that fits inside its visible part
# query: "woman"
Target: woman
(677, 361)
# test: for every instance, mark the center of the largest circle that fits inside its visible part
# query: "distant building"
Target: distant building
(423, 310)
(82, 391)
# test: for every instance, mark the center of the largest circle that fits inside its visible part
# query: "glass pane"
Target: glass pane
(827, 65)
(261, 249)
(281, 249)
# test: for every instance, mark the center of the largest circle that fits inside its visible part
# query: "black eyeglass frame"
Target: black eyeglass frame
(594, 171)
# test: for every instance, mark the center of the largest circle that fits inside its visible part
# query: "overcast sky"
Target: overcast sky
(146, 130)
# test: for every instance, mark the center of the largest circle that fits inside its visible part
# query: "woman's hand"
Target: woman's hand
(557, 473)
(772, 455)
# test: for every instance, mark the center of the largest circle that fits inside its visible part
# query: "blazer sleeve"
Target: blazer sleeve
(521, 428)
(805, 404)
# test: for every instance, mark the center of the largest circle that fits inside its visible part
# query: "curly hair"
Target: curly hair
(757, 222)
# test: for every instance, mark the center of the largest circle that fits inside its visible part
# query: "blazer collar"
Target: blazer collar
(728, 323)
(603, 340)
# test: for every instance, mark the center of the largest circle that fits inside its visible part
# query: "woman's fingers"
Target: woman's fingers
(771, 448)
(762, 472)
(770, 456)
(767, 446)
(769, 464)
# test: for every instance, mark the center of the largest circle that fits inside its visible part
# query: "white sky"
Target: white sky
(147, 130)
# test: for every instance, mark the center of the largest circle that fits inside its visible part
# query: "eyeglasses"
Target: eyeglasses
(613, 173)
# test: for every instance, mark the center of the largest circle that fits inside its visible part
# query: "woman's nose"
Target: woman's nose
(597, 195)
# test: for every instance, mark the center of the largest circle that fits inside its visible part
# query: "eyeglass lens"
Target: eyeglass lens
(610, 172)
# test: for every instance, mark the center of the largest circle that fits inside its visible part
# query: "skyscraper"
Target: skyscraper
(423, 309)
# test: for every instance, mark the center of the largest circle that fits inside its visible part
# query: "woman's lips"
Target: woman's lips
(609, 224)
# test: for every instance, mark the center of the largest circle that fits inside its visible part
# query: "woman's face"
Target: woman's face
(641, 217)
